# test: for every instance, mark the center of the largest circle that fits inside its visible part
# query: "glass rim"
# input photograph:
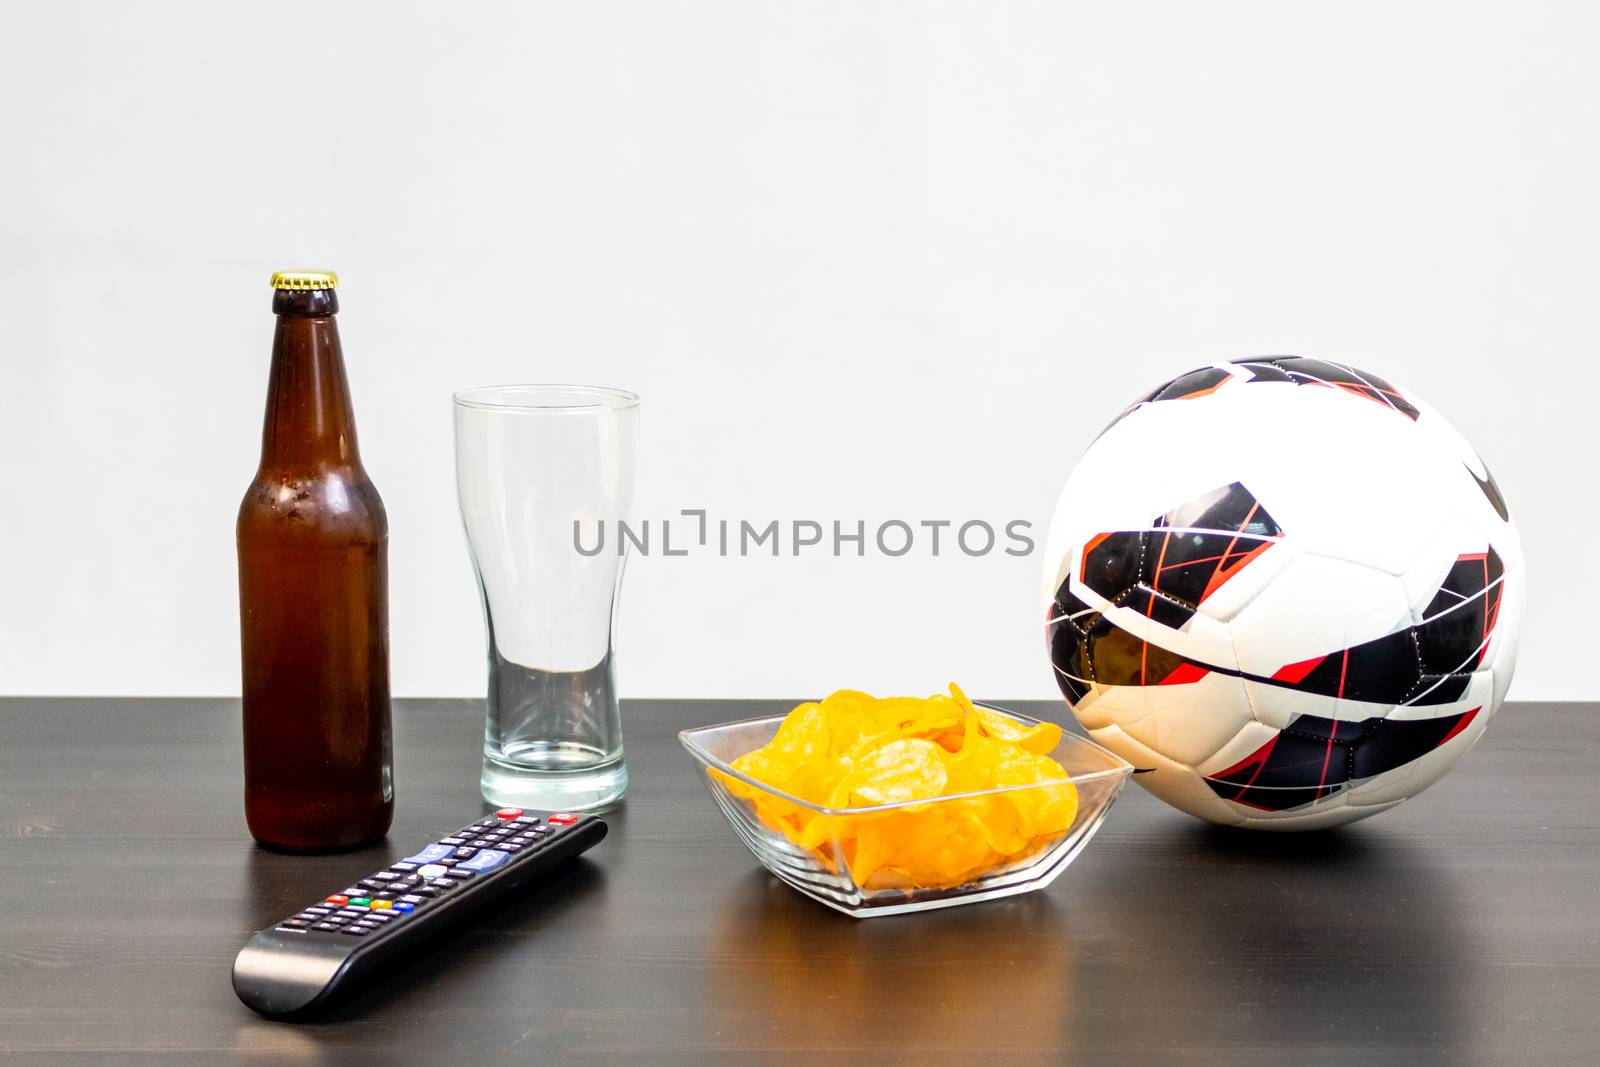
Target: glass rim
(586, 399)
(690, 740)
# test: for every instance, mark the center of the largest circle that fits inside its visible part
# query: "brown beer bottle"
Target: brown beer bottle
(313, 598)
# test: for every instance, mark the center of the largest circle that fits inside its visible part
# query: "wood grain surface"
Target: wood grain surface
(1462, 927)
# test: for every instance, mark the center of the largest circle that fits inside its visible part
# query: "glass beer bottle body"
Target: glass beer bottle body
(313, 590)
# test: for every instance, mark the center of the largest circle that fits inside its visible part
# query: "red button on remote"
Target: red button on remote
(509, 813)
(338, 899)
(562, 818)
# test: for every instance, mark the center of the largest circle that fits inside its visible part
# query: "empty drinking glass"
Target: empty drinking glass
(544, 473)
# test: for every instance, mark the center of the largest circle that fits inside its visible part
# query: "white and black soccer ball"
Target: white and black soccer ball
(1286, 589)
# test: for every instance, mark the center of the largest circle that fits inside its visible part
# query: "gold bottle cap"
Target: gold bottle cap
(305, 279)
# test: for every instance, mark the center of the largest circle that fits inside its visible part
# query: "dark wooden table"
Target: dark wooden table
(1462, 927)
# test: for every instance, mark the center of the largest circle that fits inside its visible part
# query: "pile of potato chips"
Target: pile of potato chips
(855, 751)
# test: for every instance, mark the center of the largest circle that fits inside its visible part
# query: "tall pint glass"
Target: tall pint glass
(543, 474)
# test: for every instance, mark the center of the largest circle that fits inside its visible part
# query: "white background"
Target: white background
(861, 260)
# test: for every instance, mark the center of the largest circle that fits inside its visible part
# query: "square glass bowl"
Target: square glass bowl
(823, 873)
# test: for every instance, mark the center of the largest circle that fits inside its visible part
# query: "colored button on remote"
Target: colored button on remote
(487, 859)
(338, 898)
(431, 853)
(563, 818)
(508, 813)
(432, 871)
(401, 905)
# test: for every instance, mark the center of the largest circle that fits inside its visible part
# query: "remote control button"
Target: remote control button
(379, 917)
(339, 898)
(402, 906)
(360, 902)
(423, 892)
(403, 866)
(510, 847)
(525, 820)
(400, 887)
(387, 894)
(445, 883)
(367, 924)
(357, 931)
(354, 891)
(432, 871)
(464, 853)
(508, 813)
(382, 905)
(431, 853)
(487, 860)
(313, 913)
(452, 840)
(563, 818)
(350, 913)
(330, 927)
(461, 872)
(296, 922)
(410, 898)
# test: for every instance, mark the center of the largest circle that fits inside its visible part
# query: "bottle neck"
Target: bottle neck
(310, 421)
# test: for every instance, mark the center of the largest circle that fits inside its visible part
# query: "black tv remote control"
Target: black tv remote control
(299, 965)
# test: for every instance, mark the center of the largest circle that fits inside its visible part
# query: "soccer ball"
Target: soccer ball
(1286, 589)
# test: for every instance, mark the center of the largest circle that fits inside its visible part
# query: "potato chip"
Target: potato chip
(853, 751)
(900, 771)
